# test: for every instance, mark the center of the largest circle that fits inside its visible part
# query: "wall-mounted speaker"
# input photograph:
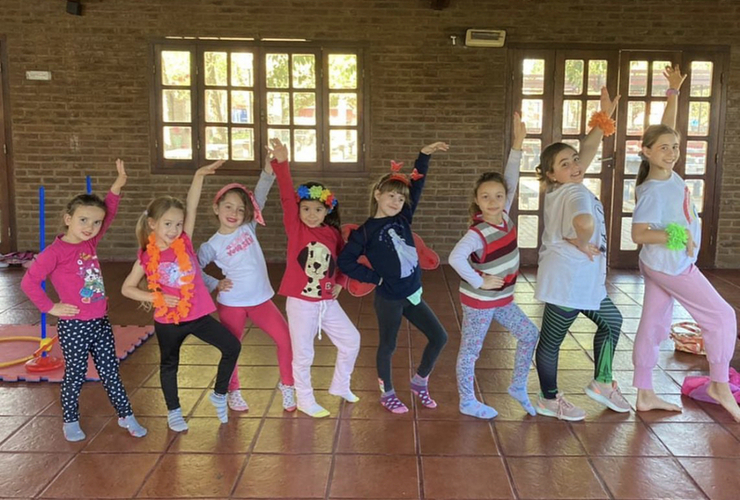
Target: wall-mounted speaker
(74, 8)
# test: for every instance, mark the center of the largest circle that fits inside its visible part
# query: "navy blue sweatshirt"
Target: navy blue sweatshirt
(388, 244)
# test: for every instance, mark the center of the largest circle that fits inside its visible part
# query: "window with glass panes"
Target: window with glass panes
(218, 100)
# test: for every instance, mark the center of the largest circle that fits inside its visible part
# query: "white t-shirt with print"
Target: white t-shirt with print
(566, 277)
(659, 203)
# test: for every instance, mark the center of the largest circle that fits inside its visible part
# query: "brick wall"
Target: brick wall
(96, 107)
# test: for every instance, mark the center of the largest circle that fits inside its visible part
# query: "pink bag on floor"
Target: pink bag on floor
(695, 387)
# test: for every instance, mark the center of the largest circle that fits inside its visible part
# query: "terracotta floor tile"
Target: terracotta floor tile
(134, 375)
(209, 435)
(645, 478)
(258, 355)
(26, 474)
(174, 476)
(465, 477)
(94, 402)
(26, 399)
(551, 478)
(386, 437)
(495, 381)
(366, 476)
(188, 377)
(286, 435)
(465, 437)
(718, 477)
(448, 404)
(112, 438)
(534, 439)
(149, 401)
(45, 434)
(107, 475)
(509, 409)
(697, 440)
(265, 476)
(626, 439)
(9, 425)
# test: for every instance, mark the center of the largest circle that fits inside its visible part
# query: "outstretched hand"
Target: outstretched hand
(518, 132)
(674, 76)
(589, 249)
(277, 150)
(434, 147)
(121, 179)
(608, 105)
(210, 169)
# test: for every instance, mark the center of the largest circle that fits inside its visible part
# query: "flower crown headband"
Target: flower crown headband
(396, 174)
(317, 193)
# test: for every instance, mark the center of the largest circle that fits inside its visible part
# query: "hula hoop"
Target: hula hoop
(19, 360)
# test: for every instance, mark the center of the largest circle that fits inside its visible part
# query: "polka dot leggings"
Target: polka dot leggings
(78, 338)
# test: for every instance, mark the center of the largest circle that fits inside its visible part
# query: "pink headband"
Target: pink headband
(255, 205)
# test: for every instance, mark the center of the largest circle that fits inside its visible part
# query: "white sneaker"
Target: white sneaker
(236, 401)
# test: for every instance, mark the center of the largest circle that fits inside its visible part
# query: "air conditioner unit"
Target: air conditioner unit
(485, 38)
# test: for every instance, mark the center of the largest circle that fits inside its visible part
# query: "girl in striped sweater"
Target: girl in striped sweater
(487, 260)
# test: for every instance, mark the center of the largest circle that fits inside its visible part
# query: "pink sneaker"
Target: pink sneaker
(560, 408)
(611, 397)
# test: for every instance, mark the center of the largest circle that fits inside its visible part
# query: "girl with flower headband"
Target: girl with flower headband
(665, 222)
(487, 260)
(182, 304)
(388, 243)
(571, 277)
(71, 262)
(245, 292)
(312, 282)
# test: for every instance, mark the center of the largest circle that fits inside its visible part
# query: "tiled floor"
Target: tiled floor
(362, 451)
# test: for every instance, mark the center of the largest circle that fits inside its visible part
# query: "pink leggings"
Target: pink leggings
(711, 312)
(266, 317)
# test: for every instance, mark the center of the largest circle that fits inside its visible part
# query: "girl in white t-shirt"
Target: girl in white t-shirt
(665, 222)
(571, 278)
(245, 292)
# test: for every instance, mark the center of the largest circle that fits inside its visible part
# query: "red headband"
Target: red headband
(398, 176)
(255, 205)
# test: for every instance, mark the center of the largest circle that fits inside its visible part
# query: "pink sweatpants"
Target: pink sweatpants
(710, 311)
(305, 318)
(266, 317)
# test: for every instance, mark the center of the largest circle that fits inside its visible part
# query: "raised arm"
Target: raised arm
(191, 207)
(112, 199)
(262, 189)
(675, 80)
(590, 143)
(285, 183)
(511, 172)
(421, 167)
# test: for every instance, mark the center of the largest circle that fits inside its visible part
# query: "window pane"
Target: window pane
(304, 108)
(242, 69)
(573, 77)
(526, 231)
(178, 143)
(215, 68)
(699, 118)
(242, 106)
(283, 135)
(635, 117)
(628, 196)
(532, 115)
(176, 106)
(696, 157)
(696, 188)
(278, 108)
(304, 71)
(593, 185)
(632, 157)
(595, 167)
(701, 79)
(596, 76)
(660, 82)
(625, 240)
(305, 145)
(638, 78)
(656, 112)
(216, 102)
(277, 71)
(343, 146)
(175, 67)
(530, 154)
(343, 109)
(571, 117)
(242, 144)
(533, 76)
(342, 71)
(529, 193)
(217, 143)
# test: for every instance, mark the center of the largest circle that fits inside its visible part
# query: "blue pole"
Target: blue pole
(42, 244)
(89, 185)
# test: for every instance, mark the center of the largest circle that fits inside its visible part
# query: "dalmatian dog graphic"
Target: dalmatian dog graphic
(317, 263)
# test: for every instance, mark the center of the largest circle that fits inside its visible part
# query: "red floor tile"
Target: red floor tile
(26, 474)
(366, 476)
(465, 477)
(531, 439)
(717, 477)
(284, 476)
(193, 475)
(383, 437)
(645, 478)
(550, 478)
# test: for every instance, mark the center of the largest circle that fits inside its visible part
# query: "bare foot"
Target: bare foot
(722, 393)
(647, 400)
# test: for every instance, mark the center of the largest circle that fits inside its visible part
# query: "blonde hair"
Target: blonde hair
(155, 210)
(387, 185)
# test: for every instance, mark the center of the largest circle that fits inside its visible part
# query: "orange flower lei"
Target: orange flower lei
(602, 120)
(152, 277)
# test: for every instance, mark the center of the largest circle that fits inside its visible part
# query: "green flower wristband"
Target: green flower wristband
(678, 236)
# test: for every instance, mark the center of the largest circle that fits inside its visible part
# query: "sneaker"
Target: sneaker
(559, 408)
(288, 391)
(236, 401)
(611, 398)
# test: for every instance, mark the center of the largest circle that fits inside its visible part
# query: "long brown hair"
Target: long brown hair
(547, 162)
(248, 208)
(649, 138)
(332, 218)
(155, 210)
(387, 185)
(473, 208)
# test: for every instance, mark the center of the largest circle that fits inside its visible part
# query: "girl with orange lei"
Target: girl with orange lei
(182, 303)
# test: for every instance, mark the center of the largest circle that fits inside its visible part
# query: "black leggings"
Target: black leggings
(207, 329)
(389, 314)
